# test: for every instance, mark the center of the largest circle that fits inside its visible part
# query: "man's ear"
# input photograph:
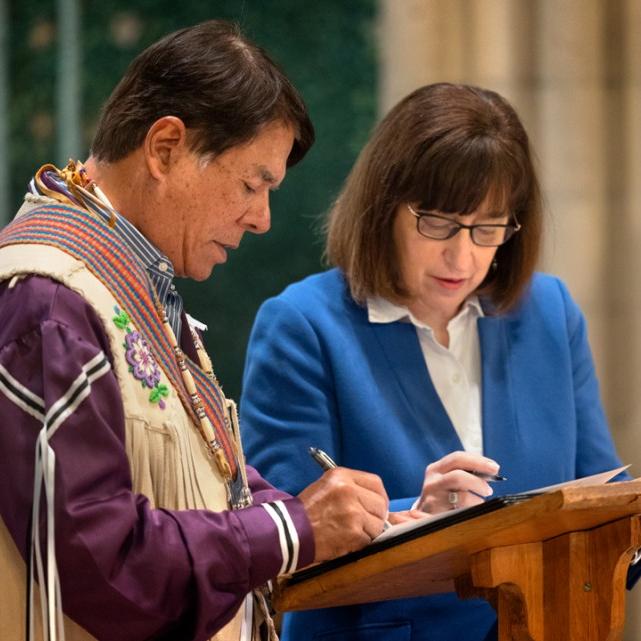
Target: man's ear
(165, 141)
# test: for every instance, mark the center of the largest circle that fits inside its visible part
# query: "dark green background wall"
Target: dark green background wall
(327, 48)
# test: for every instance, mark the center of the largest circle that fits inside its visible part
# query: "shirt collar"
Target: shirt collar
(381, 310)
(158, 267)
(152, 259)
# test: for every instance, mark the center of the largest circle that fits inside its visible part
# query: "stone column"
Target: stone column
(484, 43)
(420, 42)
(622, 275)
(571, 147)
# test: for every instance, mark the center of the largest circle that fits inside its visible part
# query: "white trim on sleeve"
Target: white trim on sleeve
(287, 535)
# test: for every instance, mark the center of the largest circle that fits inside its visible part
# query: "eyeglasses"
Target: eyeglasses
(441, 228)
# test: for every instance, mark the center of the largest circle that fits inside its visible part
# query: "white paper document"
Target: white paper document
(595, 479)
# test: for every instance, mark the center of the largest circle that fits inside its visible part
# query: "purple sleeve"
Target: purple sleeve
(127, 571)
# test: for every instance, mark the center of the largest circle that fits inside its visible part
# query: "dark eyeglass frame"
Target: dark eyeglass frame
(510, 228)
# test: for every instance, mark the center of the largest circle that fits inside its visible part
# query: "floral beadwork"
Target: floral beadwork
(139, 357)
(142, 363)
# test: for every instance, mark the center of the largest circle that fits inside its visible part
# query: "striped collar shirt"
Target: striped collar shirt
(158, 267)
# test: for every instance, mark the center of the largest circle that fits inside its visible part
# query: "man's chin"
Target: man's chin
(200, 273)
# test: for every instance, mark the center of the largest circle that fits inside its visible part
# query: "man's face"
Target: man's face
(207, 207)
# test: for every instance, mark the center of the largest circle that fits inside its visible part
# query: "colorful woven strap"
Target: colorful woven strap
(87, 238)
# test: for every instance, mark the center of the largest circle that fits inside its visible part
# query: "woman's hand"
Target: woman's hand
(449, 483)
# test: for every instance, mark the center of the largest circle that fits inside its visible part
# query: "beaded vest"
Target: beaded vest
(170, 462)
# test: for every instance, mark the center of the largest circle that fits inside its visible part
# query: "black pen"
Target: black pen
(327, 463)
(490, 478)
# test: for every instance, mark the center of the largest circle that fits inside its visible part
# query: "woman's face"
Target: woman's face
(440, 274)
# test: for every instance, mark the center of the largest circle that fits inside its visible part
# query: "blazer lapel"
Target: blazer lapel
(400, 345)
(500, 433)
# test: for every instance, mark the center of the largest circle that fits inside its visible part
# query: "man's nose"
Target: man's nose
(258, 218)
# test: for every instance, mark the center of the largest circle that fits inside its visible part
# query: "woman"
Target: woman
(431, 349)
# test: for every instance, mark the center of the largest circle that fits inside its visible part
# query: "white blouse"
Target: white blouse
(455, 371)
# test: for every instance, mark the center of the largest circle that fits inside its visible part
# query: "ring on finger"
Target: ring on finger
(452, 499)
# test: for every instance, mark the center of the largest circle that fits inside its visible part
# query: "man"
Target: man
(123, 483)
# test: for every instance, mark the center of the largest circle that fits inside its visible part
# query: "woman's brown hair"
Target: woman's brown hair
(447, 147)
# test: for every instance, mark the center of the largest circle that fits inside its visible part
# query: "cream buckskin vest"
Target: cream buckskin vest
(167, 456)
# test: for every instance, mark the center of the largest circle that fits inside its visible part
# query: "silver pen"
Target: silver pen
(323, 459)
(327, 463)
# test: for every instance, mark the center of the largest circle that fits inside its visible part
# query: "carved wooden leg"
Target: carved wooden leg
(568, 588)
(511, 578)
(585, 581)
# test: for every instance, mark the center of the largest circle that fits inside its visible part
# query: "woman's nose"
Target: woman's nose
(459, 250)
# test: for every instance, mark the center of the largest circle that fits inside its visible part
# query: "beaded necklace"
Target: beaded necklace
(205, 426)
(73, 185)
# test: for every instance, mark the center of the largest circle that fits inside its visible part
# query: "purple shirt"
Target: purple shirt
(127, 571)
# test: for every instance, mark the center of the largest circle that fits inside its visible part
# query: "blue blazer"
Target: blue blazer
(319, 373)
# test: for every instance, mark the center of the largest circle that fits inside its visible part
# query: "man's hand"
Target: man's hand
(347, 509)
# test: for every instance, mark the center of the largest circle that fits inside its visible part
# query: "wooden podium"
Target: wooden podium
(553, 566)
